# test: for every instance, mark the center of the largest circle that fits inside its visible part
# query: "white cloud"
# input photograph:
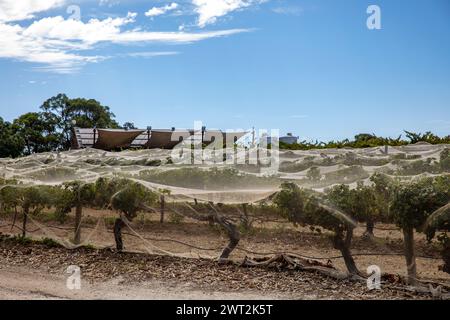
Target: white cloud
(109, 3)
(55, 43)
(157, 11)
(16, 10)
(294, 10)
(151, 54)
(88, 33)
(210, 10)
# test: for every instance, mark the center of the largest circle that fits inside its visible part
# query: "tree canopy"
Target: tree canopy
(84, 113)
(11, 144)
(37, 131)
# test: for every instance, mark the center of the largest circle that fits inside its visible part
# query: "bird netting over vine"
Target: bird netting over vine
(234, 181)
(227, 178)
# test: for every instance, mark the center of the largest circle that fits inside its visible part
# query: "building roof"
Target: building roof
(108, 139)
(112, 138)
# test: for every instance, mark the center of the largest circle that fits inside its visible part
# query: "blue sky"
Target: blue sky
(308, 67)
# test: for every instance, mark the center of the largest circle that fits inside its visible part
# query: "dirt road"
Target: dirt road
(28, 283)
(39, 271)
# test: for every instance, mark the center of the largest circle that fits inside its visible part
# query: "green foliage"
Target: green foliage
(90, 113)
(8, 195)
(413, 202)
(359, 203)
(22, 240)
(365, 140)
(132, 197)
(35, 198)
(129, 125)
(86, 113)
(11, 143)
(383, 192)
(73, 194)
(50, 243)
(37, 131)
(303, 207)
(105, 189)
(426, 137)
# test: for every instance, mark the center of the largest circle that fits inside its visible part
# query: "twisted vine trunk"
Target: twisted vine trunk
(118, 225)
(343, 245)
(233, 234)
(24, 222)
(408, 236)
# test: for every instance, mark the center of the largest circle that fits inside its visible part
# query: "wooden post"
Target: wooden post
(24, 224)
(78, 214)
(163, 202)
(408, 238)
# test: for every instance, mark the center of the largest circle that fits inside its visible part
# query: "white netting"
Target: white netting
(230, 184)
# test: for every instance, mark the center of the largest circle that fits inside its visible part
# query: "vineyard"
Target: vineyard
(328, 213)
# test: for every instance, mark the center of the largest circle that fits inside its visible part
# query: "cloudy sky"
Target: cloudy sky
(307, 66)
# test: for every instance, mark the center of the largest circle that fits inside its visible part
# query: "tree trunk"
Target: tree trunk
(163, 204)
(369, 228)
(244, 218)
(232, 232)
(78, 214)
(446, 257)
(118, 225)
(408, 236)
(343, 245)
(14, 219)
(24, 223)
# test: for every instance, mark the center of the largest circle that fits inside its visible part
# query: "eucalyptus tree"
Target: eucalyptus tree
(38, 132)
(85, 113)
(11, 143)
